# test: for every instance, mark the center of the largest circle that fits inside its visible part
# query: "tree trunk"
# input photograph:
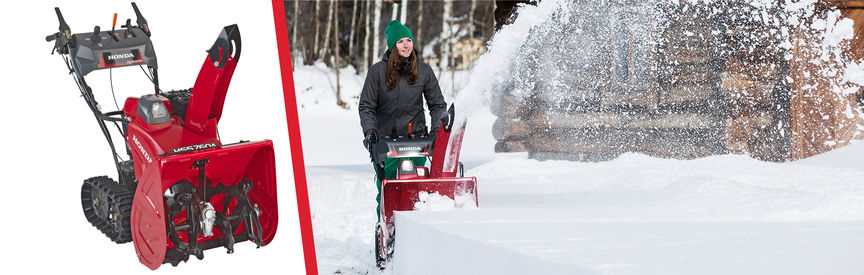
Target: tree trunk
(339, 101)
(395, 8)
(377, 37)
(419, 44)
(351, 35)
(327, 31)
(471, 34)
(294, 43)
(450, 50)
(315, 46)
(404, 12)
(445, 35)
(366, 35)
(492, 15)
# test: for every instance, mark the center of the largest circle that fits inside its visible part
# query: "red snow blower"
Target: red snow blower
(444, 177)
(181, 190)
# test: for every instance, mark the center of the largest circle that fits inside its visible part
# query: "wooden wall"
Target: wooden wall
(822, 119)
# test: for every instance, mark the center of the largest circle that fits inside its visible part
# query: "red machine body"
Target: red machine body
(442, 177)
(161, 161)
(181, 191)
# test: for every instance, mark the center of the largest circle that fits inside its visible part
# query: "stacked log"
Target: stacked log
(510, 130)
(752, 81)
(716, 85)
(719, 83)
(587, 116)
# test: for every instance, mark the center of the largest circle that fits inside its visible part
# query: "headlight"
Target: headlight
(158, 110)
(152, 109)
(406, 167)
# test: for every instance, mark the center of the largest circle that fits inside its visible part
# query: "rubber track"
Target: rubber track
(119, 196)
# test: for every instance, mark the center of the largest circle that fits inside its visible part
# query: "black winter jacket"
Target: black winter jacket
(389, 111)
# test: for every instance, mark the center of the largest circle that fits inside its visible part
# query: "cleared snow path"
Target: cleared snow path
(643, 215)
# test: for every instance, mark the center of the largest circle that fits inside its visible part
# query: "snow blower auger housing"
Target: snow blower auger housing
(181, 190)
(444, 176)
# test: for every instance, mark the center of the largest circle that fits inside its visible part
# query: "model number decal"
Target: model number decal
(141, 148)
(194, 147)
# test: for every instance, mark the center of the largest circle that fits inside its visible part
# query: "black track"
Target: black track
(380, 261)
(111, 213)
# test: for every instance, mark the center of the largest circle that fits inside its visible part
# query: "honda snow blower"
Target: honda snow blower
(444, 177)
(182, 190)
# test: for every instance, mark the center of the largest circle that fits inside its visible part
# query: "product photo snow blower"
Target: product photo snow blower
(444, 176)
(179, 190)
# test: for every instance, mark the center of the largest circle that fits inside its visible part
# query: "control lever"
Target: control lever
(114, 24)
(128, 27)
(95, 38)
(142, 23)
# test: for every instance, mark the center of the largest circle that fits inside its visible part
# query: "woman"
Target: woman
(392, 96)
(392, 99)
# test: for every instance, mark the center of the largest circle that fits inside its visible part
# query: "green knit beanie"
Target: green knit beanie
(395, 31)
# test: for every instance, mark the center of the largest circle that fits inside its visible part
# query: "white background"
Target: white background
(51, 143)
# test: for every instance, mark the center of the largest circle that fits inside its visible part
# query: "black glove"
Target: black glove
(370, 140)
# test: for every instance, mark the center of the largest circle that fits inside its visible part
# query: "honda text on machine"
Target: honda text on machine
(444, 176)
(181, 190)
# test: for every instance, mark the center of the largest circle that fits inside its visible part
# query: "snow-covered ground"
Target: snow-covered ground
(636, 214)
(632, 215)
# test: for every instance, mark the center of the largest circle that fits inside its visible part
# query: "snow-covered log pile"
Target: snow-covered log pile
(752, 80)
(665, 78)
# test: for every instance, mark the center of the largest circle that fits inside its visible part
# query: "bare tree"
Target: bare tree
(314, 44)
(366, 48)
(376, 38)
(327, 31)
(419, 25)
(294, 41)
(395, 8)
(315, 47)
(336, 64)
(403, 14)
(452, 59)
(471, 34)
(445, 35)
(351, 35)
(492, 15)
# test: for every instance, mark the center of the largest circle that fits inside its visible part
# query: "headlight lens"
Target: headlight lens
(407, 165)
(158, 110)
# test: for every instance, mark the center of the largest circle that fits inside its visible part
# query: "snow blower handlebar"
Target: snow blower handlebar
(85, 52)
(409, 146)
(142, 23)
(62, 36)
